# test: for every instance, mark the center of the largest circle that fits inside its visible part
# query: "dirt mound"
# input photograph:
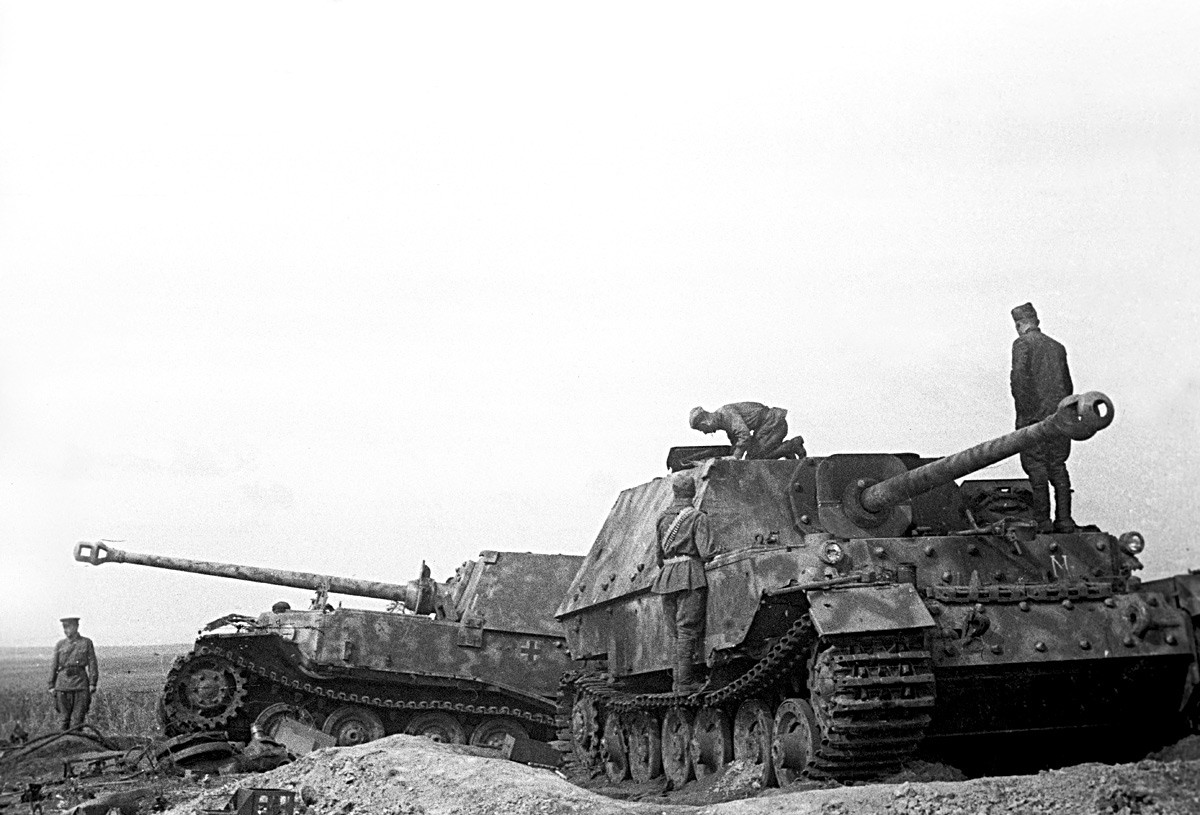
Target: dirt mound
(926, 771)
(406, 775)
(1187, 749)
(403, 775)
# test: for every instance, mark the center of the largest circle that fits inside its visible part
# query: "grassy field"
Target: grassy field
(131, 678)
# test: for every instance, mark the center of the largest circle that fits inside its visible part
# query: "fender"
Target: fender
(868, 608)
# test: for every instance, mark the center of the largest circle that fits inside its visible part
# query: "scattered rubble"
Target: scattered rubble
(405, 775)
(402, 775)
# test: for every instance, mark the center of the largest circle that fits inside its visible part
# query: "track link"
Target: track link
(872, 695)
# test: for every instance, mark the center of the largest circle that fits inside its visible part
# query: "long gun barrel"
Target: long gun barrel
(1078, 417)
(417, 595)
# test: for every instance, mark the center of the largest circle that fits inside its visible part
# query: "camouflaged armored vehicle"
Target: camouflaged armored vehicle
(475, 659)
(861, 604)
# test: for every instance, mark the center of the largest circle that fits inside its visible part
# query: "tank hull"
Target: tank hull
(854, 635)
(395, 667)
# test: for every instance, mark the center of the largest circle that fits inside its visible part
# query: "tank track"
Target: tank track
(331, 690)
(872, 698)
(871, 695)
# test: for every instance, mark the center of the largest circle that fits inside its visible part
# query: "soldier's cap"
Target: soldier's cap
(694, 416)
(68, 619)
(1025, 311)
(683, 485)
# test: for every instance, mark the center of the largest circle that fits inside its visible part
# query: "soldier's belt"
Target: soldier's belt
(679, 559)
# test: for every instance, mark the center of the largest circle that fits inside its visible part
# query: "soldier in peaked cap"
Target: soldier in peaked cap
(754, 430)
(1040, 379)
(74, 674)
(683, 543)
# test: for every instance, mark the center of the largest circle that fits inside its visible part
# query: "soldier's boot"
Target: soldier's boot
(1041, 505)
(684, 676)
(1063, 522)
(794, 448)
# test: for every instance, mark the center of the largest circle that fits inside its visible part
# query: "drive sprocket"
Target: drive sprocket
(204, 691)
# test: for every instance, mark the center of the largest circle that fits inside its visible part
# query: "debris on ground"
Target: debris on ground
(407, 775)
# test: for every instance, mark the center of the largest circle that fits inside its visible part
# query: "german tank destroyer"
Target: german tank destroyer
(473, 659)
(862, 605)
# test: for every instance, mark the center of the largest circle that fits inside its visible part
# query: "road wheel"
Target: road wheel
(491, 733)
(615, 750)
(437, 726)
(753, 727)
(272, 715)
(795, 740)
(352, 725)
(712, 742)
(643, 735)
(676, 746)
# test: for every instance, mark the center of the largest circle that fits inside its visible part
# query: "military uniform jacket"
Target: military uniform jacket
(74, 662)
(1040, 378)
(681, 555)
(739, 420)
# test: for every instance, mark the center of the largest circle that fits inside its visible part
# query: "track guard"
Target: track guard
(871, 608)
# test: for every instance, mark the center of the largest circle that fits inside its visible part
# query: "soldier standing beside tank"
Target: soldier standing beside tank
(754, 430)
(683, 543)
(74, 674)
(1040, 380)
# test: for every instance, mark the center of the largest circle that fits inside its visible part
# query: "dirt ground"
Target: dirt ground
(404, 775)
(401, 775)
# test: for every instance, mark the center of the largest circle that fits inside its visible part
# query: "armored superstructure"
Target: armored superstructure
(860, 604)
(475, 658)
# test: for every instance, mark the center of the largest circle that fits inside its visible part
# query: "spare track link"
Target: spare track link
(305, 685)
(873, 696)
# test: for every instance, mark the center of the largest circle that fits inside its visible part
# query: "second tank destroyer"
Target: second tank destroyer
(475, 658)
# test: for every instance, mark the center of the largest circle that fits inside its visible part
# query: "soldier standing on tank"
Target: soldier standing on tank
(74, 674)
(754, 430)
(1040, 380)
(683, 543)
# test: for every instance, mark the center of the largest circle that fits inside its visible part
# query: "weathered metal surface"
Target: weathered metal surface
(622, 559)
(518, 591)
(407, 644)
(874, 608)
(838, 476)
(1078, 417)
(301, 739)
(1121, 627)
(748, 505)
(883, 559)
(483, 645)
(98, 554)
(1181, 590)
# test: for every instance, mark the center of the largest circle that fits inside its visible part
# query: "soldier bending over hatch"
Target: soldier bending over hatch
(754, 430)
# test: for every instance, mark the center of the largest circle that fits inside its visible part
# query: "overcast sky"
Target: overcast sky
(345, 286)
